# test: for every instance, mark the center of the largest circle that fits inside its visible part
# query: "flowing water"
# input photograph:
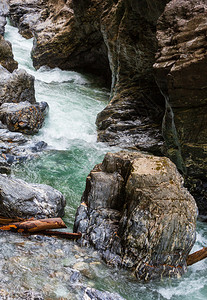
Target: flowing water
(56, 268)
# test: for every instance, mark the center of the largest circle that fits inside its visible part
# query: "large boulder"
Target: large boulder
(137, 214)
(18, 198)
(19, 110)
(181, 73)
(23, 117)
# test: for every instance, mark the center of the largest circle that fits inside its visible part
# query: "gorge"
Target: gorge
(103, 38)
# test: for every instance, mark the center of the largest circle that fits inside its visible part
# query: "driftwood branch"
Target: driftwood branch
(41, 226)
(196, 256)
(34, 225)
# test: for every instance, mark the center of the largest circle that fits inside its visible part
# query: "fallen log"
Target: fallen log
(4, 220)
(196, 256)
(34, 225)
(62, 234)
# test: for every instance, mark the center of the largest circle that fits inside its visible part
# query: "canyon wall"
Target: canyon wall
(181, 70)
(106, 38)
(154, 55)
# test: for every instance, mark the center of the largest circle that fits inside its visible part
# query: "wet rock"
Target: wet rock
(92, 294)
(27, 295)
(144, 219)
(93, 36)
(19, 111)
(18, 198)
(7, 136)
(181, 72)
(23, 117)
(4, 10)
(74, 275)
(16, 87)
(27, 14)
(134, 115)
(11, 149)
(54, 24)
(4, 166)
(16, 148)
(6, 55)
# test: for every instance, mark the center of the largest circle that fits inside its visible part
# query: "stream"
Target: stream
(38, 266)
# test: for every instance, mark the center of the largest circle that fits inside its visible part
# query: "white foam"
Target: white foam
(73, 103)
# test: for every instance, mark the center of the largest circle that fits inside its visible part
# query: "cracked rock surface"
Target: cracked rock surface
(137, 214)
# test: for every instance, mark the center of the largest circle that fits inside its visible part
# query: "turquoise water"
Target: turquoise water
(32, 263)
(74, 101)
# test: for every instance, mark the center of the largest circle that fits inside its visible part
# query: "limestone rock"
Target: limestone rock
(137, 213)
(119, 40)
(23, 117)
(18, 198)
(181, 72)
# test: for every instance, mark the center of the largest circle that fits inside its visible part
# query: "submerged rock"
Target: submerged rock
(18, 198)
(92, 294)
(137, 213)
(23, 117)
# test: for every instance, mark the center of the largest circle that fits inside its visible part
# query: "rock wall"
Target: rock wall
(106, 38)
(67, 34)
(137, 214)
(181, 72)
(133, 117)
